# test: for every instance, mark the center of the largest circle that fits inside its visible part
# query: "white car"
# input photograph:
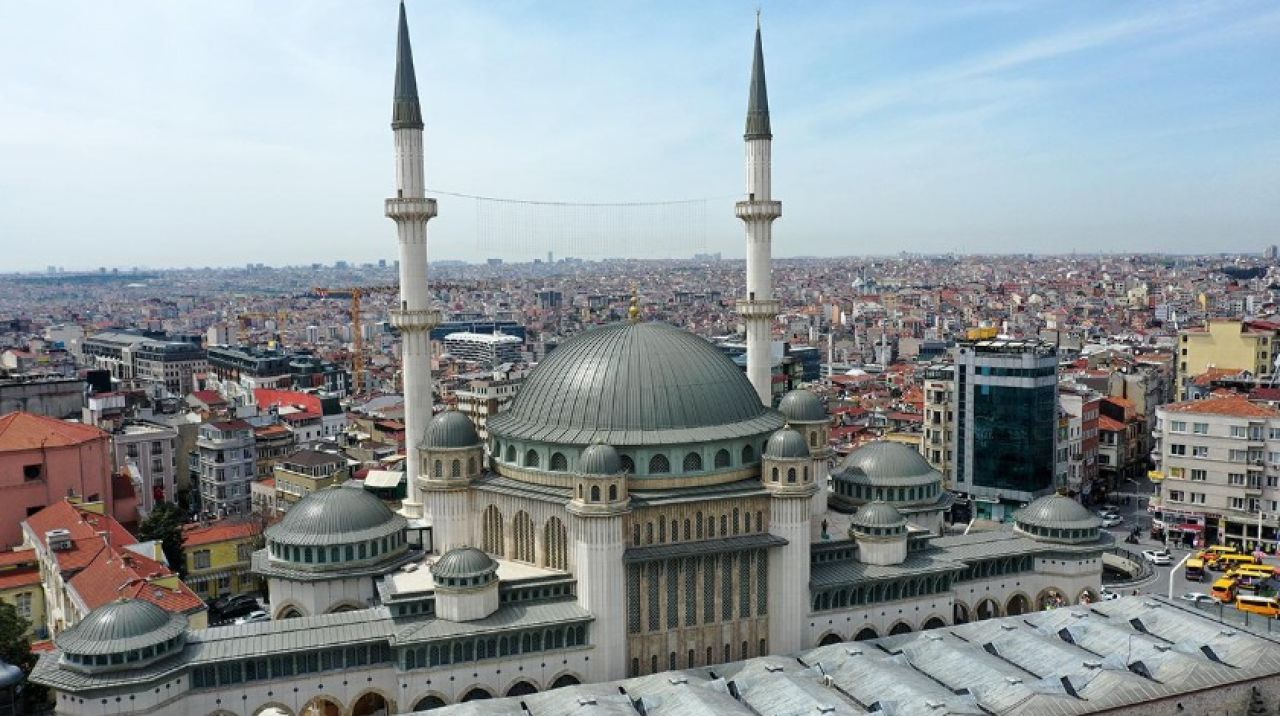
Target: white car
(1107, 595)
(1157, 557)
(1197, 598)
(1112, 520)
(252, 617)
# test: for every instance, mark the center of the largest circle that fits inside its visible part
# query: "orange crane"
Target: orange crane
(355, 293)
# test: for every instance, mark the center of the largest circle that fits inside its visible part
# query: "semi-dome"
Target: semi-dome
(121, 626)
(463, 563)
(801, 406)
(885, 460)
(878, 515)
(449, 430)
(599, 459)
(635, 384)
(786, 443)
(335, 515)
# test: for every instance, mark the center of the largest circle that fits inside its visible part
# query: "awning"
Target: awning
(1190, 528)
(383, 478)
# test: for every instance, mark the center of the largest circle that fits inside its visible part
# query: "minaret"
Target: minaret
(411, 211)
(759, 210)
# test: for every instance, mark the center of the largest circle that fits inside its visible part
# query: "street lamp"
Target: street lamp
(1174, 571)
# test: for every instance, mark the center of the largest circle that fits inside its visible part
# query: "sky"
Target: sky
(168, 134)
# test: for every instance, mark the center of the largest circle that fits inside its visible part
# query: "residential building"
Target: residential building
(52, 396)
(305, 472)
(256, 367)
(1226, 344)
(87, 560)
(218, 556)
(43, 460)
(226, 464)
(20, 586)
(140, 358)
(1081, 407)
(484, 348)
(263, 495)
(148, 453)
(273, 442)
(486, 397)
(1218, 468)
(1122, 453)
(938, 440)
(1006, 422)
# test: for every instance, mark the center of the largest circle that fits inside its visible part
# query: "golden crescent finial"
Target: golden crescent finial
(634, 311)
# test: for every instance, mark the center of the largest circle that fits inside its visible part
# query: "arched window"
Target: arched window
(735, 520)
(471, 466)
(511, 453)
(595, 493)
(554, 542)
(613, 492)
(692, 462)
(455, 469)
(813, 439)
(558, 462)
(626, 464)
(523, 528)
(491, 536)
(579, 492)
(438, 469)
(806, 474)
(659, 464)
(531, 458)
(748, 455)
(722, 458)
(791, 474)
(775, 474)
(697, 524)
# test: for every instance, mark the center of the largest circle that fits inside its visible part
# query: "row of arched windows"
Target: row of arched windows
(555, 542)
(595, 493)
(890, 494)
(495, 647)
(455, 467)
(996, 568)
(882, 592)
(691, 655)
(659, 464)
(791, 474)
(338, 553)
(731, 523)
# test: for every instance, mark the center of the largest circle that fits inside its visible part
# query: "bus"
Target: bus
(1235, 561)
(1224, 590)
(1216, 551)
(1259, 571)
(1266, 606)
(1195, 570)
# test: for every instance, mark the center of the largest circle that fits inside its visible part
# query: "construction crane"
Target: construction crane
(356, 293)
(243, 319)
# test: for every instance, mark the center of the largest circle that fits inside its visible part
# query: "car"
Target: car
(1158, 557)
(1112, 520)
(1196, 598)
(233, 607)
(1107, 595)
(253, 617)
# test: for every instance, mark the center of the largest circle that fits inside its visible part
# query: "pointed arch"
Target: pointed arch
(659, 464)
(531, 458)
(559, 463)
(554, 544)
(491, 532)
(722, 458)
(522, 534)
(692, 462)
(748, 455)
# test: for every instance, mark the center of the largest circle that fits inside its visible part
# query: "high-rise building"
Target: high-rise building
(1226, 345)
(937, 442)
(227, 464)
(1006, 422)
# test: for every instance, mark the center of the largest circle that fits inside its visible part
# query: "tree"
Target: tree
(164, 525)
(15, 648)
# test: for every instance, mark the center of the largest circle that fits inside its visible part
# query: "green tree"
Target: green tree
(164, 525)
(15, 648)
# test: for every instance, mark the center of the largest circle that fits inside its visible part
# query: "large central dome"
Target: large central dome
(635, 384)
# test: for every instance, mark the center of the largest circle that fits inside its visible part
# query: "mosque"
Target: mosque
(639, 508)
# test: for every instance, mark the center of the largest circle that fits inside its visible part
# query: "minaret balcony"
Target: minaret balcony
(752, 308)
(753, 210)
(411, 208)
(422, 320)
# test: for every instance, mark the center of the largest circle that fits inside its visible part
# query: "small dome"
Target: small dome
(801, 406)
(463, 563)
(450, 429)
(878, 514)
(335, 515)
(786, 443)
(121, 626)
(885, 459)
(9, 674)
(1057, 512)
(599, 459)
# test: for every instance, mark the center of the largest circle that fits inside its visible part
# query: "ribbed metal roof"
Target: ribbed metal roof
(1057, 512)
(801, 406)
(463, 562)
(336, 515)
(405, 110)
(786, 443)
(758, 102)
(599, 459)
(120, 626)
(884, 459)
(878, 514)
(635, 384)
(450, 429)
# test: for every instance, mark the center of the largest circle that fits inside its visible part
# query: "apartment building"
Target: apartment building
(1218, 471)
(305, 472)
(937, 440)
(1226, 344)
(486, 397)
(138, 358)
(148, 454)
(489, 349)
(226, 464)
(1081, 407)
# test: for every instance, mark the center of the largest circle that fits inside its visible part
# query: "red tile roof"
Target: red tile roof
(1234, 405)
(220, 531)
(119, 572)
(84, 526)
(267, 397)
(1110, 425)
(28, 431)
(19, 577)
(210, 398)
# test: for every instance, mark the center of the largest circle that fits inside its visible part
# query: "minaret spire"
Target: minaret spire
(406, 113)
(758, 308)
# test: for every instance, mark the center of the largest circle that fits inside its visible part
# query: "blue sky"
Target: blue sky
(175, 134)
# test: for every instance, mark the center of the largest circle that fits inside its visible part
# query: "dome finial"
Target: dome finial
(634, 312)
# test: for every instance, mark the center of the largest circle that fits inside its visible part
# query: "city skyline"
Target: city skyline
(1010, 127)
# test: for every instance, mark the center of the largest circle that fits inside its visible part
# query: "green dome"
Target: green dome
(888, 462)
(878, 514)
(801, 406)
(1057, 512)
(599, 459)
(786, 443)
(463, 563)
(121, 626)
(335, 515)
(631, 384)
(450, 429)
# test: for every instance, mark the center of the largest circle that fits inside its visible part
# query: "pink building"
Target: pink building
(43, 460)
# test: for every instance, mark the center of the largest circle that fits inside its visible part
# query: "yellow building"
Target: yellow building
(306, 471)
(1226, 344)
(20, 586)
(218, 557)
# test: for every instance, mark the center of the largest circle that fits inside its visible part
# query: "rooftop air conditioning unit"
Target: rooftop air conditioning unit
(59, 539)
